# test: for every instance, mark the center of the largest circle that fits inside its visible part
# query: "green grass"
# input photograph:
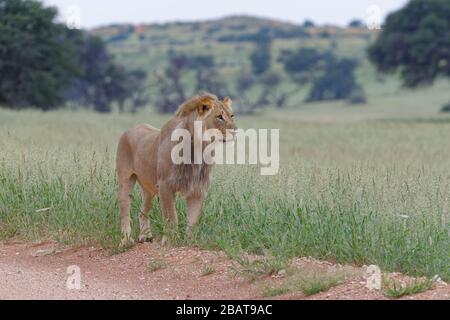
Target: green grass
(307, 283)
(273, 292)
(319, 285)
(360, 191)
(156, 264)
(207, 270)
(396, 289)
(253, 269)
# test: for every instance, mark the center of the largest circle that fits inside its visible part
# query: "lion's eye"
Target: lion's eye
(220, 117)
(232, 115)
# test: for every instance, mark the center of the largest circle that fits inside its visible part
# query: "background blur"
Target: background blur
(324, 59)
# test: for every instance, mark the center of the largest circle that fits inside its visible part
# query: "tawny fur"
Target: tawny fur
(144, 156)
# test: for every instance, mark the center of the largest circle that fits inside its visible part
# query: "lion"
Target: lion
(144, 156)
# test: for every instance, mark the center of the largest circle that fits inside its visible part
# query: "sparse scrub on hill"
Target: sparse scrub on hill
(239, 46)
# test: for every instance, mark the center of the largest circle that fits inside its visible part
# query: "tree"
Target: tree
(337, 83)
(207, 76)
(332, 78)
(172, 88)
(245, 82)
(356, 23)
(100, 81)
(89, 87)
(44, 64)
(302, 65)
(309, 24)
(261, 57)
(136, 90)
(416, 41)
(36, 59)
(272, 93)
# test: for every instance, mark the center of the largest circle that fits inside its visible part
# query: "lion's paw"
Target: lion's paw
(145, 238)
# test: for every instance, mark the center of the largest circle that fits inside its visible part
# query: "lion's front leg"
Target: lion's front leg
(194, 211)
(169, 213)
(194, 204)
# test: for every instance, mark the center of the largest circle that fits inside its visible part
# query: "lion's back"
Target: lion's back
(137, 145)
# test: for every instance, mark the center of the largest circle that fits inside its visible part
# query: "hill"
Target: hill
(230, 41)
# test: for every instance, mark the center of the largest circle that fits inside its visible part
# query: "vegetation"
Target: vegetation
(172, 92)
(207, 270)
(44, 64)
(308, 283)
(337, 82)
(254, 269)
(332, 78)
(261, 57)
(418, 34)
(156, 264)
(247, 58)
(36, 60)
(363, 192)
(356, 23)
(100, 82)
(253, 59)
(396, 289)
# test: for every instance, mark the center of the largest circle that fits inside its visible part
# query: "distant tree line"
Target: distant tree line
(43, 64)
(261, 35)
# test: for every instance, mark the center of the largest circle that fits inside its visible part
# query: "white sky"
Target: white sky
(338, 12)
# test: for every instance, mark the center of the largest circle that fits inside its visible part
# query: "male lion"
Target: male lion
(144, 155)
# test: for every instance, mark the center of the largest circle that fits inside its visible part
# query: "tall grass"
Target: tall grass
(367, 192)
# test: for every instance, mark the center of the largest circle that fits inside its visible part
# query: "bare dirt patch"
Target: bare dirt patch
(150, 271)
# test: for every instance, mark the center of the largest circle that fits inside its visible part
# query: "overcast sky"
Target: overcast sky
(339, 12)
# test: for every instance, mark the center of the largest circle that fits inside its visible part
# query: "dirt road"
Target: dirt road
(148, 271)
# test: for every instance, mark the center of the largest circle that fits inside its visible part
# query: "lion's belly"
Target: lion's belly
(145, 140)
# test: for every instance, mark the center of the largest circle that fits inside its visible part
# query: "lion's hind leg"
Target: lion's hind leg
(145, 233)
(126, 185)
(169, 213)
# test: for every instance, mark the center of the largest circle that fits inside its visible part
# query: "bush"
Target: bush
(446, 108)
(338, 82)
(357, 97)
(37, 60)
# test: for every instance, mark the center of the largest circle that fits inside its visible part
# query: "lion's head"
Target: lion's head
(213, 112)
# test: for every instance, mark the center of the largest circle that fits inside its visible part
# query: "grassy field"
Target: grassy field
(362, 185)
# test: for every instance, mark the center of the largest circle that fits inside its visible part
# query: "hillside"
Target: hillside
(230, 41)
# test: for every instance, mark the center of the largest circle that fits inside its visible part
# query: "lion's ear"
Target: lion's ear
(228, 102)
(204, 107)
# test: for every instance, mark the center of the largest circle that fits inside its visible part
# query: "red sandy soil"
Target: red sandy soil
(33, 271)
